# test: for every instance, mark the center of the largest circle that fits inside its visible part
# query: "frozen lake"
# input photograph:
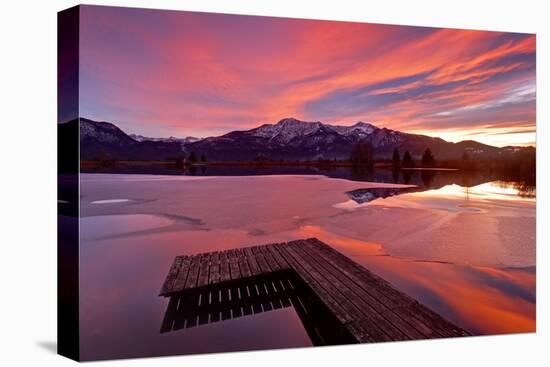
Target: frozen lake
(467, 253)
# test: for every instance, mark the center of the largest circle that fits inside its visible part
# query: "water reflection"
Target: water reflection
(522, 189)
(427, 177)
(475, 268)
(482, 299)
(362, 196)
(496, 190)
(252, 296)
(424, 179)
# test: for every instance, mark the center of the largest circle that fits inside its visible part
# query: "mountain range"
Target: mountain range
(104, 140)
(289, 139)
(182, 141)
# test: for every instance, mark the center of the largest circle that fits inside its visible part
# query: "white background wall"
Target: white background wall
(28, 191)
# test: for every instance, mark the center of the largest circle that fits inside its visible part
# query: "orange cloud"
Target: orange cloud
(179, 73)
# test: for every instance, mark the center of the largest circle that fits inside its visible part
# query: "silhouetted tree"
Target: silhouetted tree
(407, 160)
(193, 157)
(395, 175)
(361, 155)
(260, 157)
(427, 177)
(180, 162)
(203, 157)
(407, 175)
(396, 160)
(467, 164)
(428, 159)
(105, 159)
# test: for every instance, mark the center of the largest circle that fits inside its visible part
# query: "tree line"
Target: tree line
(193, 157)
(521, 164)
(362, 156)
(427, 160)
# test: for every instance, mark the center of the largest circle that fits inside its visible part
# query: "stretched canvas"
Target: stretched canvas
(232, 183)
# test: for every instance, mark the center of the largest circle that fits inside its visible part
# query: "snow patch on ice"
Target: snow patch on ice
(110, 201)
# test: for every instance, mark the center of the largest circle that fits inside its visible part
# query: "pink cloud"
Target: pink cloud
(181, 73)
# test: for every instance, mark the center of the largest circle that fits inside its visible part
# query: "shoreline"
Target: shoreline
(249, 164)
(160, 177)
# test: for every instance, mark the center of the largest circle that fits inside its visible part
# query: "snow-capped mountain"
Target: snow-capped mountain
(360, 128)
(289, 139)
(171, 139)
(103, 132)
(287, 129)
(104, 140)
(294, 139)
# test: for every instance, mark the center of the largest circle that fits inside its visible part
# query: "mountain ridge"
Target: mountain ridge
(101, 140)
(291, 138)
(288, 139)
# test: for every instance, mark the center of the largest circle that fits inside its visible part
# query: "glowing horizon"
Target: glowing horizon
(171, 73)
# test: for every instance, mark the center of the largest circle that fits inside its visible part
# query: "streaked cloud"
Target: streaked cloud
(178, 73)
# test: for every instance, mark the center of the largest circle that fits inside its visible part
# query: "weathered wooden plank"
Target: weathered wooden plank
(252, 263)
(364, 315)
(169, 316)
(214, 276)
(325, 298)
(370, 308)
(429, 324)
(333, 300)
(181, 278)
(376, 286)
(204, 271)
(264, 292)
(172, 274)
(338, 266)
(283, 264)
(225, 298)
(441, 325)
(234, 270)
(243, 264)
(277, 291)
(316, 282)
(225, 272)
(255, 292)
(260, 259)
(272, 264)
(235, 296)
(427, 330)
(395, 309)
(192, 277)
(388, 327)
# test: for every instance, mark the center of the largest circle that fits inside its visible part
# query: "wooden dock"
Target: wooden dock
(338, 300)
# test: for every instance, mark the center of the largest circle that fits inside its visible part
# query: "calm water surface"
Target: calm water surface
(466, 252)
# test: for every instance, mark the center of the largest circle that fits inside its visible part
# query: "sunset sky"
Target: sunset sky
(163, 73)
